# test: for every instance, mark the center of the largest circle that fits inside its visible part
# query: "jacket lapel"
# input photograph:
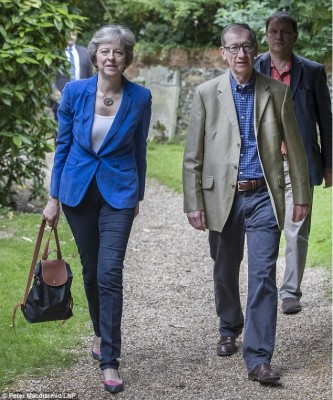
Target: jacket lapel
(265, 64)
(227, 100)
(121, 113)
(296, 73)
(89, 110)
(262, 96)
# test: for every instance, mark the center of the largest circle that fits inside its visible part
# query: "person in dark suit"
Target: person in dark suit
(312, 103)
(98, 176)
(233, 184)
(80, 68)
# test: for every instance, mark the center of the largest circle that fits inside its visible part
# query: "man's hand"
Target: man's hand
(300, 211)
(197, 219)
(327, 177)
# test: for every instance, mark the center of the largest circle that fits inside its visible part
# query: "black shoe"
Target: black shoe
(291, 305)
(227, 346)
(264, 373)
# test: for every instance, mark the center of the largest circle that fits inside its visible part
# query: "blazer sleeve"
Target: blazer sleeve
(193, 156)
(140, 140)
(296, 156)
(324, 117)
(64, 141)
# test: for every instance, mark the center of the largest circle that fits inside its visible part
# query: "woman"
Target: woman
(99, 178)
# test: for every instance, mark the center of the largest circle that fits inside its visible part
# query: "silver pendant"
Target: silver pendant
(108, 101)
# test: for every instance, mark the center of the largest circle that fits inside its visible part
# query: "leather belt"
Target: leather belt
(245, 186)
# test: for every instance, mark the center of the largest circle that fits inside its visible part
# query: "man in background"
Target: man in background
(308, 83)
(80, 68)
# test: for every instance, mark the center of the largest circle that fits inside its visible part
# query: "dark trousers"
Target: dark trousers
(251, 214)
(101, 234)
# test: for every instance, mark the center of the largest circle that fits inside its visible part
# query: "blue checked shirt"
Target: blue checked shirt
(249, 164)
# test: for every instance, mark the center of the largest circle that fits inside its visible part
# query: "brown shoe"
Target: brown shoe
(264, 373)
(290, 305)
(227, 346)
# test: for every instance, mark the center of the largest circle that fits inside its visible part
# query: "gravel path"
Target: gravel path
(170, 327)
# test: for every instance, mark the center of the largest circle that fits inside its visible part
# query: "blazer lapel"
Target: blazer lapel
(89, 110)
(265, 64)
(296, 74)
(121, 113)
(262, 96)
(227, 100)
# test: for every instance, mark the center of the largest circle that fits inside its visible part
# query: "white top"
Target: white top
(100, 128)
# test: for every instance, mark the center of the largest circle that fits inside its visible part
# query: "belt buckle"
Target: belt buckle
(239, 189)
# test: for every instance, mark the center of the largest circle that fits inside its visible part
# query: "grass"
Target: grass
(165, 164)
(38, 348)
(34, 348)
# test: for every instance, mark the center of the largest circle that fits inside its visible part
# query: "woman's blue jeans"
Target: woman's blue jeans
(101, 234)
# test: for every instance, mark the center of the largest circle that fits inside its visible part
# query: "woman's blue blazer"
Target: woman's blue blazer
(120, 165)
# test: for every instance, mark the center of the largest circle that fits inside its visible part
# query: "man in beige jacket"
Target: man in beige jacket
(233, 182)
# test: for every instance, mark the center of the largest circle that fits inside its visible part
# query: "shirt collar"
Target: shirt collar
(236, 87)
(287, 67)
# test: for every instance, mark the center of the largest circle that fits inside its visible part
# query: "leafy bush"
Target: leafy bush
(198, 23)
(33, 34)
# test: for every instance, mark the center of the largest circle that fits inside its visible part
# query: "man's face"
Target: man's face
(241, 63)
(73, 38)
(280, 37)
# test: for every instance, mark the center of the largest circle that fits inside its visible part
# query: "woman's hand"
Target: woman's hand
(52, 211)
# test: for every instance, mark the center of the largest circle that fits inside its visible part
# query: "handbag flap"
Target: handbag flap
(54, 272)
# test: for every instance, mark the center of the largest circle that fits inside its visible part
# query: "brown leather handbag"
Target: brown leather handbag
(49, 298)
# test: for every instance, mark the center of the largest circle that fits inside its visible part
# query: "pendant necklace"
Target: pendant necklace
(107, 100)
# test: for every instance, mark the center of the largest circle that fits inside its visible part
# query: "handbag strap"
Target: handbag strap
(32, 267)
(46, 248)
(35, 258)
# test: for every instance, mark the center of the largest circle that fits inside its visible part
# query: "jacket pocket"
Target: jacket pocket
(72, 159)
(127, 164)
(207, 182)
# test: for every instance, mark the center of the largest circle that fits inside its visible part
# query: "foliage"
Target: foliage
(315, 31)
(166, 23)
(33, 34)
(163, 24)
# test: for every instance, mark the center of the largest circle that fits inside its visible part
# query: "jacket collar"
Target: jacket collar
(89, 107)
(296, 69)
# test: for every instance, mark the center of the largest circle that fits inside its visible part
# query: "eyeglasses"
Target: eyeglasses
(234, 48)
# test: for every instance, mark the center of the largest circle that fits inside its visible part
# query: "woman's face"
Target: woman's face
(111, 58)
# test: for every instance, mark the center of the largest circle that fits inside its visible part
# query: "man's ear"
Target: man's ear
(296, 37)
(223, 53)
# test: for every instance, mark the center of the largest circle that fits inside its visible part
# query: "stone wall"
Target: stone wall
(188, 69)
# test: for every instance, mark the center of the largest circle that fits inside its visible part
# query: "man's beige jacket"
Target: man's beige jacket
(212, 149)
